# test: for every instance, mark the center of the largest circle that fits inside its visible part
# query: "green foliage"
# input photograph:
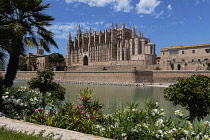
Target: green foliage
(19, 103)
(44, 83)
(192, 93)
(23, 30)
(22, 66)
(55, 58)
(149, 123)
(80, 117)
(10, 134)
(32, 62)
(130, 123)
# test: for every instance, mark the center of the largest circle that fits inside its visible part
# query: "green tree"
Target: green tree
(32, 62)
(44, 82)
(23, 26)
(193, 93)
(55, 58)
(22, 66)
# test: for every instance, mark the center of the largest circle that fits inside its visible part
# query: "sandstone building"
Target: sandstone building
(190, 57)
(116, 46)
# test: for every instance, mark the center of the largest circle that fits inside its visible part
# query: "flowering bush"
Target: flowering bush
(80, 117)
(129, 123)
(18, 103)
(150, 123)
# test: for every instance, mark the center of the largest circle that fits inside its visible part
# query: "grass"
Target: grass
(8, 134)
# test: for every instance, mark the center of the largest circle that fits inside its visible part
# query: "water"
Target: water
(117, 97)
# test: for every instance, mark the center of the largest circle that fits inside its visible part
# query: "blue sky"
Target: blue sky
(165, 22)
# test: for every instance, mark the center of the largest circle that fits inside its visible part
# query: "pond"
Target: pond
(117, 97)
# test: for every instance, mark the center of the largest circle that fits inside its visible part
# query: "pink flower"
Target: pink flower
(37, 110)
(82, 98)
(83, 112)
(80, 106)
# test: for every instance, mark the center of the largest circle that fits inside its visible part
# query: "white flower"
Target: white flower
(157, 135)
(155, 110)
(133, 130)
(178, 113)
(6, 92)
(206, 136)
(98, 126)
(156, 103)
(193, 133)
(174, 129)
(35, 99)
(21, 104)
(18, 101)
(159, 122)
(186, 132)
(5, 97)
(160, 131)
(123, 134)
(48, 94)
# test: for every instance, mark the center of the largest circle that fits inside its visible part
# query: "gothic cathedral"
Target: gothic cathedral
(116, 46)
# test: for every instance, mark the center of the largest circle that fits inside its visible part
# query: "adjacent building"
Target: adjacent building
(190, 57)
(116, 46)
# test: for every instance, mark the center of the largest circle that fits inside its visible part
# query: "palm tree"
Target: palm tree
(24, 26)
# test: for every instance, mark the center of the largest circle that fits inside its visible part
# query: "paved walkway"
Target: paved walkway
(30, 127)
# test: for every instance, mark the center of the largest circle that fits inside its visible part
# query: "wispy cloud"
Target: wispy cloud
(147, 6)
(118, 5)
(61, 30)
(157, 15)
(169, 7)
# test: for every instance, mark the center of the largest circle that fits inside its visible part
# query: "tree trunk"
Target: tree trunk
(11, 70)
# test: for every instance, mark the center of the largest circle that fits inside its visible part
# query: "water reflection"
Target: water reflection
(117, 97)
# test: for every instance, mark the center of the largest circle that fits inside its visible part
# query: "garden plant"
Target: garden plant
(132, 122)
(193, 93)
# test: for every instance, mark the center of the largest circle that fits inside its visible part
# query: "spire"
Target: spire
(70, 37)
(116, 26)
(79, 32)
(133, 32)
(139, 33)
(90, 31)
(123, 25)
(112, 26)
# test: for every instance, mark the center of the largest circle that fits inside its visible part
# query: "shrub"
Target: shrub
(73, 117)
(193, 93)
(149, 123)
(44, 83)
(18, 103)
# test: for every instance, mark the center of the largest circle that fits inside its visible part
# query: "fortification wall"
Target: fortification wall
(163, 76)
(132, 76)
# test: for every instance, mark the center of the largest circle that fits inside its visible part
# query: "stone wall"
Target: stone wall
(132, 76)
(163, 76)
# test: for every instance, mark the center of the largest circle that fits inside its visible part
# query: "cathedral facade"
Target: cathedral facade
(116, 46)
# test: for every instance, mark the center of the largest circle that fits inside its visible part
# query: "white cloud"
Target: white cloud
(118, 5)
(61, 30)
(147, 6)
(169, 7)
(158, 15)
